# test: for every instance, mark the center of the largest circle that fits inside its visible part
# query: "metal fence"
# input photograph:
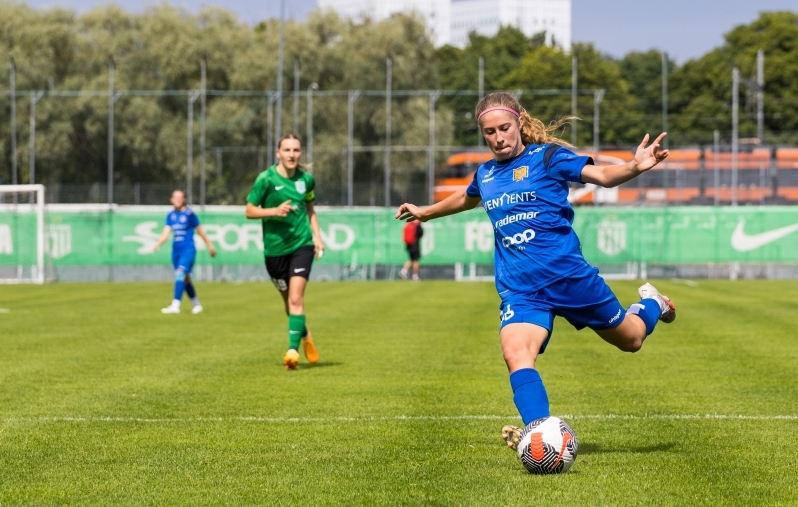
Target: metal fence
(365, 147)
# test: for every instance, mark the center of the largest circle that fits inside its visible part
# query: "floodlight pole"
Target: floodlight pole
(735, 130)
(311, 88)
(715, 170)
(13, 83)
(350, 134)
(34, 98)
(433, 98)
(190, 146)
(574, 90)
(388, 125)
(296, 97)
(598, 96)
(481, 93)
(203, 91)
(760, 96)
(279, 123)
(113, 96)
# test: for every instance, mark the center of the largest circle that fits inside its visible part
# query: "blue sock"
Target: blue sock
(649, 311)
(529, 394)
(180, 284)
(190, 290)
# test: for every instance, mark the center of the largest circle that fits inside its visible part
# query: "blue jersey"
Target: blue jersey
(183, 224)
(527, 204)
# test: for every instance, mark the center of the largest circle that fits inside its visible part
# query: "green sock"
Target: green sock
(296, 324)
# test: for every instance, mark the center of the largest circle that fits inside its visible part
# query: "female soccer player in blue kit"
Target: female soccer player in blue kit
(540, 270)
(183, 222)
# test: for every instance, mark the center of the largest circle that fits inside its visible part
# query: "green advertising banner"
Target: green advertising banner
(76, 236)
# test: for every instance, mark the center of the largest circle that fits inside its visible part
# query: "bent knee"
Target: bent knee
(295, 300)
(631, 345)
(180, 275)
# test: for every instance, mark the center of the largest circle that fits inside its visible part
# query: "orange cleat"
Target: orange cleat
(290, 359)
(311, 353)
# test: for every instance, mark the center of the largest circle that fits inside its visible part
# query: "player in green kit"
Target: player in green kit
(282, 198)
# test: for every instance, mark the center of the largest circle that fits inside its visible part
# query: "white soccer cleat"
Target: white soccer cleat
(666, 306)
(171, 309)
(403, 274)
(196, 309)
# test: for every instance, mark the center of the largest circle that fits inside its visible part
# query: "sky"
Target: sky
(685, 29)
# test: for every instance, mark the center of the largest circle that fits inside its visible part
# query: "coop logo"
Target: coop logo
(509, 199)
(611, 237)
(519, 239)
(6, 245)
(231, 237)
(58, 240)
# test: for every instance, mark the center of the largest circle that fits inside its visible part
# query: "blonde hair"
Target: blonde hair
(533, 131)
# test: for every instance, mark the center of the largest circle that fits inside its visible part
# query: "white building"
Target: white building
(451, 20)
(436, 12)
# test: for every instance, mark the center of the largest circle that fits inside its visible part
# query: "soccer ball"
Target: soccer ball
(548, 446)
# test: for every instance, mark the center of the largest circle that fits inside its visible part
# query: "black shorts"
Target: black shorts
(414, 251)
(282, 268)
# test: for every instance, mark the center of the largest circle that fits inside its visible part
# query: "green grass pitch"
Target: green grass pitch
(104, 401)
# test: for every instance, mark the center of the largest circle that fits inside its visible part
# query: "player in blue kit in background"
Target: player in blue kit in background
(183, 222)
(540, 270)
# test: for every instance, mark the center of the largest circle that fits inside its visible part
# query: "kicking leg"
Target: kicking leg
(521, 344)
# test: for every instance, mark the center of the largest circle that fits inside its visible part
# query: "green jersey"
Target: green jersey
(284, 235)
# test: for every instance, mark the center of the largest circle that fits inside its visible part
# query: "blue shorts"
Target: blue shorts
(583, 299)
(184, 259)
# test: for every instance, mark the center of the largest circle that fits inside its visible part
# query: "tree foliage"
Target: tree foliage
(60, 52)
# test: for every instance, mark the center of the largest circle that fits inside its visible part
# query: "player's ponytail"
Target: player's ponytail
(302, 166)
(533, 131)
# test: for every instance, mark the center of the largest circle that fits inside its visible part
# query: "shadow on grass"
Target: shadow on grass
(322, 364)
(600, 449)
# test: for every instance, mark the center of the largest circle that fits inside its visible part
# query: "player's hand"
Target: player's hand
(410, 212)
(318, 248)
(284, 209)
(212, 250)
(156, 247)
(647, 157)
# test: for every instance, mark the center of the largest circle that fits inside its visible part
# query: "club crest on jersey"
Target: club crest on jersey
(300, 187)
(520, 173)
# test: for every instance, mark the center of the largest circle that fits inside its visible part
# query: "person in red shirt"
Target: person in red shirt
(412, 236)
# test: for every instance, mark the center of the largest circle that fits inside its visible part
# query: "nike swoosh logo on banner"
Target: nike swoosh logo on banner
(743, 242)
(279, 188)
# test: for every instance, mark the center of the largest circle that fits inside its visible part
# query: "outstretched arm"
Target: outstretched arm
(207, 241)
(455, 203)
(609, 176)
(164, 237)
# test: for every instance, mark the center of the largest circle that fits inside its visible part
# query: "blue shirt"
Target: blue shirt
(528, 207)
(183, 224)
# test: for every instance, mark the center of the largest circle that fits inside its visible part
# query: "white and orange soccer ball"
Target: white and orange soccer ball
(548, 446)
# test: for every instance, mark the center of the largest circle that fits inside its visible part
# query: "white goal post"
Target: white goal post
(22, 250)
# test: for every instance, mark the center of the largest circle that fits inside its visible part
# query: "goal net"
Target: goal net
(22, 234)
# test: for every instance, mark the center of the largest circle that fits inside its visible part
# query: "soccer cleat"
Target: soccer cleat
(309, 348)
(171, 309)
(666, 306)
(403, 274)
(196, 309)
(511, 436)
(416, 278)
(290, 359)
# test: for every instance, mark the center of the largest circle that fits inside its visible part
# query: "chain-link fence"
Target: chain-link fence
(365, 148)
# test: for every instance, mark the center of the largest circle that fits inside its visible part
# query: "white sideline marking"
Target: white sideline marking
(278, 420)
